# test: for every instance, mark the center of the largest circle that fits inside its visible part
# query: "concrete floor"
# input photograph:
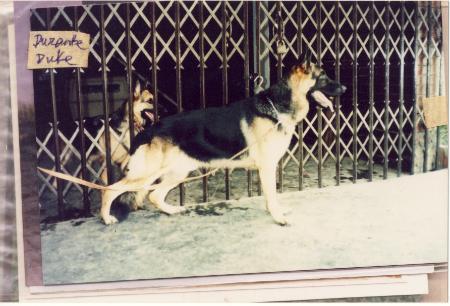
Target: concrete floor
(216, 185)
(393, 222)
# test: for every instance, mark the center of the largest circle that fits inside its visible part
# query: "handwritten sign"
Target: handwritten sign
(57, 49)
(435, 111)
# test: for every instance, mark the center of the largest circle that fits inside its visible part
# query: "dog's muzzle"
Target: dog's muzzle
(328, 88)
(147, 114)
(322, 100)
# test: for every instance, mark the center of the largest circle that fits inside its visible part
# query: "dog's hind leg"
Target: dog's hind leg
(168, 182)
(145, 167)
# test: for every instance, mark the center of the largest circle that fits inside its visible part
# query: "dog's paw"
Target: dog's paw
(279, 218)
(172, 210)
(281, 221)
(108, 220)
(133, 207)
(177, 210)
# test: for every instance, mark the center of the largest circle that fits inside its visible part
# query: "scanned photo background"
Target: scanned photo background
(8, 249)
(8, 265)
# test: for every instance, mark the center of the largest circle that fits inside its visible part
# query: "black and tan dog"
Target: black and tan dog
(119, 124)
(119, 131)
(208, 138)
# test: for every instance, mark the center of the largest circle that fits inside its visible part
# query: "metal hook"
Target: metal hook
(278, 32)
(258, 81)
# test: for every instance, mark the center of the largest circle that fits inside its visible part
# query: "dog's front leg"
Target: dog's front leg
(267, 174)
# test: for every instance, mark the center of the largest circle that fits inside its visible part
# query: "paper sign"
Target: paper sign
(57, 49)
(435, 111)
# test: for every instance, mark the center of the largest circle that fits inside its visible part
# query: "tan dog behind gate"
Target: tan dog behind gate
(142, 111)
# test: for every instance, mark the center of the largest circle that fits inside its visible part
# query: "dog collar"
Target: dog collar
(276, 112)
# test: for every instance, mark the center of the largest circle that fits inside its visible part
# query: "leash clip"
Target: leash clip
(258, 81)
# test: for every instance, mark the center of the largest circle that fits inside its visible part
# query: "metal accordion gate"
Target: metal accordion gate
(197, 54)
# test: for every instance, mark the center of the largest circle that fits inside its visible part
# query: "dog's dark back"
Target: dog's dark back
(215, 132)
(203, 134)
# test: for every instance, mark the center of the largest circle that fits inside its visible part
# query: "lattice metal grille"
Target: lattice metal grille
(71, 156)
(305, 14)
(429, 80)
(406, 35)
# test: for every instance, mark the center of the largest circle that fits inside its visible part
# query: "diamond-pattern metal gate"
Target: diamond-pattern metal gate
(194, 53)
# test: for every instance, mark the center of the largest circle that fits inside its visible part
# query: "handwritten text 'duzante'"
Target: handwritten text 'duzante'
(58, 49)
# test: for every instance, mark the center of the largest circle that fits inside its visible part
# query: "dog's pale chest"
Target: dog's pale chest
(266, 141)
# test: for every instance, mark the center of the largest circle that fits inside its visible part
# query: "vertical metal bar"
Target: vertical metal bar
(416, 60)
(387, 51)
(86, 204)
(258, 52)
(105, 96)
(355, 91)
(438, 144)
(279, 39)
(319, 110)
(401, 86)
(371, 87)
(427, 84)
(55, 129)
(225, 81)
(247, 82)
(178, 77)
(129, 74)
(178, 55)
(438, 129)
(337, 52)
(279, 77)
(300, 124)
(319, 150)
(154, 75)
(258, 37)
(202, 83)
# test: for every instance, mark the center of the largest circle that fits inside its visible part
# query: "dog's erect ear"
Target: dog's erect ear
(308, 59)
(305, 59)
(302, 58)
(137, 90)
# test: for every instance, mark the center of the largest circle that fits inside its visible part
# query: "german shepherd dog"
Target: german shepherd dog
(119, 124)
(208, 138)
